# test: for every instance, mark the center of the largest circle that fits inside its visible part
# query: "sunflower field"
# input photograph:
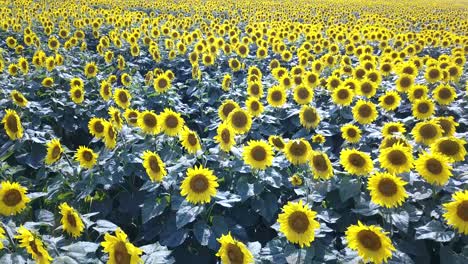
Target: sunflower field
(233, 131)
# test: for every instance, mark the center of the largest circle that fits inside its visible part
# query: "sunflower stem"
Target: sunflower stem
(12, 242)
(299, 256)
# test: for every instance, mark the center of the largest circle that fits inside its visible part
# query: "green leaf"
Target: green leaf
(434, 230)
(187, 214)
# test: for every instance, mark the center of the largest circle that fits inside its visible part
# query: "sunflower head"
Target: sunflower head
(233, 251)
(13, 198)
(303, 94)
(277, 142)
(427, 132)
(423, 108)
(162, 83)
(33, 245)
(54, 151)
(444, 94)
(110, 135)
(456, 211)
(309, 117)
(131, 116)
(96, 127)
(154, 166)
(451, 147)
(171, 122)
(387, 189)
(296, 180)
(396, 159)
(276, 96)
(320, 165)
(190, 140)
(86, 157)
(343, 95)
(356, 162)
(120, 250)
(77, 94)
(225, 137)
(390, 100)
(298, 224)
(297, 151)
(122, 98)
(71, 221)
(199, 185)
(364, 112)
(90, 70)
(434, 168)
(12, 124)
(393, 128)
(226, 108)
(18, 98)
(239, 120)
(351, 133)
(258, 154)
(371, 242)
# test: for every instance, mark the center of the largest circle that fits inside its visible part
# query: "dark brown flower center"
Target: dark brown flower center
(389, 100)
(255, 89)
(356, 160)
(298, 148)
(227, 108)
(235, 254)
(77, 93)
(278, 143)
(12, 198)
(111, 132)
(298, 222)
(303, 93)
(397, 157)
(320, 163)
(18, 98)
(172, 121)
(351, 132)
(387, 187)
(365, 111)
(445, 93)
(434, 166)
(449, 147)
(434, 73)
(226, 136)
(71, 219)
(154, 164)
(277, 96)
(405, 82)
(254, 105)
(56, 152)
(423, 107)
(162, 83)
(239, 119)
(366, 88)
(446, 126)
(87, 155)
(343, 94)
(192, 139)
(418, 93)
(310, 116)
(150, 120)
(462, 210)
(121, 254)
(369, 240)
(12, 123)
(98, 127)
(258, 153)
(199, 183)
(428, 131)
(123, 97)
(34, 248)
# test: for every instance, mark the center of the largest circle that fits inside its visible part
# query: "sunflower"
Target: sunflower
(96, 127)
(226, 108)
(162, 83)
(199, 185)
(423, 108)
(90, 70)
(86, 157)
(311, 79)
(148, 122)
(33, 245)
(371, 242)
(434, 168)
(366, 88)
(110, 135)
(295, 180)
(448, 125)
(433, 74)
(396, 159)
(343, 95)
(318, 138)
(190, 141)
(444, 94)
(13, 198)
(404, 82)
(364, 112)
(258, 154)
(393, 128)
(126, 79)
(71, 221)
(233, 251)
(154, 166)
(303, 94)
(351, 133)
(77, 94)
(105, 90)
(240, 121)
(225, 137)
(2, 237)
(387, 189)
(47, 82)
(227, 81)
(276, 96)
(254, 106)
(456, 214)
(417, 92)
(277, 142)
(12, 124)
(309, 117)
(76, 82)
(119, 249)
(131, 116)
(356, 162)
(297, 151)
(171, 122)
(427, 132)
(54, 151)
(115, 117)
(255, 89)
(122, 98)
(320, 165)
(235, 64)
(297, 222)
(390, 100)
(451, 147)
(18, 98)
